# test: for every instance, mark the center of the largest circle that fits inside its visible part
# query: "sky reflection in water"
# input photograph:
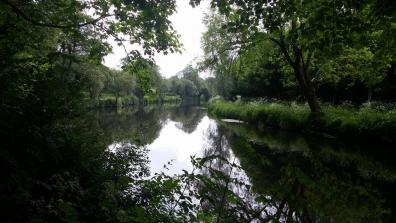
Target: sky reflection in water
(327, 179)
(173, 144)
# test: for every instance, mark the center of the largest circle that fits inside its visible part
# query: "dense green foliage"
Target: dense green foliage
(61, 164)
(302, 50)
(187, 84)
(372, 122)
(55, 164)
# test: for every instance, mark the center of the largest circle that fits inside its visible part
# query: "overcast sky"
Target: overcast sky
(187, 21)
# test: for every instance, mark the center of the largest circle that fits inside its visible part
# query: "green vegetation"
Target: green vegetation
(308, 51)
(370, 122)
(140, 83)
(320, 53)
(56, 164)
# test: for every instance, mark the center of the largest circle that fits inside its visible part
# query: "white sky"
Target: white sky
(187, 21)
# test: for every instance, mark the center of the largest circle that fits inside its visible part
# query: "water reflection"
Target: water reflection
(224, 187)
(176, 145)
(141, 126)
(171, 134)
(312, 181)
(269, 175)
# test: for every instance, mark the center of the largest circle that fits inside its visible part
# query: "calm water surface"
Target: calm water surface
(324, 180)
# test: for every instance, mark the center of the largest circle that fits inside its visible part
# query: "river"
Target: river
(312, 178)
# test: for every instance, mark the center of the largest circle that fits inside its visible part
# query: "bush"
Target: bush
(110, 101)
(171, 99)
(375, 121)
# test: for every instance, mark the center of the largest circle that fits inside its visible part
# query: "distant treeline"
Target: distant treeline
(140, 82)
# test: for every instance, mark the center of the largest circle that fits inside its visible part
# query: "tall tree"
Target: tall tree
(138, 22)
(298, 28)
(220, 52)
(52, 174)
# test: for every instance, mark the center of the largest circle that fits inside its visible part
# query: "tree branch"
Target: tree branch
(51, 25)
(308, 61)
(282, 46)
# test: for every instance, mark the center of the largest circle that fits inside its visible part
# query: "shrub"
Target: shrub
(376, 121)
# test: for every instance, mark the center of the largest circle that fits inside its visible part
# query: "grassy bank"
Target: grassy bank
(376, 123)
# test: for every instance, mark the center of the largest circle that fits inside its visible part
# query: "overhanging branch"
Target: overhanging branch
(20, 13)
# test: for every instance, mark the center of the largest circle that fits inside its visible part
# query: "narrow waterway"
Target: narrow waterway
(323, 180)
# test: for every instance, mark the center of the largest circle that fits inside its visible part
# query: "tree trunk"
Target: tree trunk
(334, 95)
(369, 95)
(305, 82)
(116, 96)
(301, 72)
(311, 98)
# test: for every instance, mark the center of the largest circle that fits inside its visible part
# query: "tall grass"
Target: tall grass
(365, 122)
(375, 122)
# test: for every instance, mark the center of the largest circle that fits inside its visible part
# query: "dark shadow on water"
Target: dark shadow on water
(311, 179)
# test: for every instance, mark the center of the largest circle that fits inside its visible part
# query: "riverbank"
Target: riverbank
(375, 123)
(110, 101)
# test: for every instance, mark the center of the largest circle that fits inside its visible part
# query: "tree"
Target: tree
(54, 175)
(219, 53)
(120, 83)
(148, 78)
(298, 28)
(260, 72)
(143, 22)
(95, 76)
(357, 65)
(192, 74)
(252, 71)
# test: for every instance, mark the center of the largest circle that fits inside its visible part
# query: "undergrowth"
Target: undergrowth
(376, 121)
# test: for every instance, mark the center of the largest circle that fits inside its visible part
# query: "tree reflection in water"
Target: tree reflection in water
(244, 175)
(289, 184)
(225, 189)
(187, 117)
